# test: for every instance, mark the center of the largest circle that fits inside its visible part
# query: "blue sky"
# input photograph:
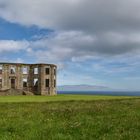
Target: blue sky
(92, 42)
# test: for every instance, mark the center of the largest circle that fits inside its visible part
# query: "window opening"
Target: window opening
(25, 70)
(13, 70)
(0, 69)
(24, 82)
(35, 82)
(47, 82)
(35, 70)
(47, 70)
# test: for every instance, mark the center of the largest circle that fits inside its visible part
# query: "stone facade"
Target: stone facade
(39, 79)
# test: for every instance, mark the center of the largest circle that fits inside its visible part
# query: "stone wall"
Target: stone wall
(39, 79)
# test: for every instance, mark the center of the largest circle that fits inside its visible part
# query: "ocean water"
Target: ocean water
(112, 93)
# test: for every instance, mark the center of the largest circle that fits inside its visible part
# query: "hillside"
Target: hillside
(82, 88)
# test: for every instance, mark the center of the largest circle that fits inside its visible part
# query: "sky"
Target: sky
(94, 42)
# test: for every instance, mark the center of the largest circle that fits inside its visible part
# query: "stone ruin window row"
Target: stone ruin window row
(35, 82)
(13, 70)
(47, 83)
(25, 82)
(25, 70)
(47, 71)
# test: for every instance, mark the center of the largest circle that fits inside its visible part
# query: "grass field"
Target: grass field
(61, 97)
(69, 117)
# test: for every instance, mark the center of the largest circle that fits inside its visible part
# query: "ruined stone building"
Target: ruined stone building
(39, 79)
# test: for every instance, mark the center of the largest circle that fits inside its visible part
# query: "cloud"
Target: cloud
(87, 15)
(84, 28)
(79, 46)
(12, 46)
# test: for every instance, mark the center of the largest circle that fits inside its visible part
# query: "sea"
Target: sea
(111, 93)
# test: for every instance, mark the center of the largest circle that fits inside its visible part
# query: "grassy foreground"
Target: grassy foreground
(33, 118)
(61, 97)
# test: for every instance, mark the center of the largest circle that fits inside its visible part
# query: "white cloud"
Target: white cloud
(12, 46)
(89, 15)
(76, 46)
(84, 28)
(79, 46)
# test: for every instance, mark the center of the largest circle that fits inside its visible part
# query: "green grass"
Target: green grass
(69, 117)
(61, 97)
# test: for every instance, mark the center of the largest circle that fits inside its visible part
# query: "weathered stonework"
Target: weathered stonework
(39, 79)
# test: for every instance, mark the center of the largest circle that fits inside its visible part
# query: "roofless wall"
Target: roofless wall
(39, 79)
